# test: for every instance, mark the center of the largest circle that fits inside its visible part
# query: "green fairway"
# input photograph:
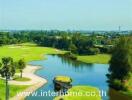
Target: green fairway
(81, 93)
(100, 58)
(27, 51)
(13, 89)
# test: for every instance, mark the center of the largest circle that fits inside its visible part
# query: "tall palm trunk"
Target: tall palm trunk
(7, 90)
(21, 73)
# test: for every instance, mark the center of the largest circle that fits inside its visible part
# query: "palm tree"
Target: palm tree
(6, 71)
(21, 66)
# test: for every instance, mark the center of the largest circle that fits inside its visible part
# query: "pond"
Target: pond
(81, 74)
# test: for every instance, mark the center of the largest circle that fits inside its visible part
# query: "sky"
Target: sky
(65, 14)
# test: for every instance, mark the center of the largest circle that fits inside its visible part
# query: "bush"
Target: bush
(93, 51)
(118, 85)
(70, 55)
(73, 48)
(105, 49)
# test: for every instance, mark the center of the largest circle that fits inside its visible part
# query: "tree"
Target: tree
(120, 63)
(6, 71)
(21, 66)
(93, 51)
(13, 69)
(73, 48)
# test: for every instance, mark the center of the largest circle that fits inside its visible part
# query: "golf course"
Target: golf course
(65, 49)
(32, 52)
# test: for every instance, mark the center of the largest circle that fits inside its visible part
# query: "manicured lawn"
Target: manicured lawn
(22, 79)
(28, 51)
(81, 91)
(13, 89)
(100, 58)
(64, 79)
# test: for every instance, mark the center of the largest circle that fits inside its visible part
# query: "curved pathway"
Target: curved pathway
(35, 82)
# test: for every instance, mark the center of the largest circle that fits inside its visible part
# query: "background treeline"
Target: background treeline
(77, 42)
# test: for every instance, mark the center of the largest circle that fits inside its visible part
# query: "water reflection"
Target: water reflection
(77, 65)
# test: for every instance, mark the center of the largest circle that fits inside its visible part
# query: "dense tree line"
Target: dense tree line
(76, 42)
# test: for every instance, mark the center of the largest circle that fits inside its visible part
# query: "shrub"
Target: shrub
(70, 55)
(118, 85)
(93, 51)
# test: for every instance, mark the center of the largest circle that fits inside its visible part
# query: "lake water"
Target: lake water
(81, 74)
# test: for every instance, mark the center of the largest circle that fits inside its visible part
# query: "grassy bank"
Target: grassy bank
(13, 89)
(100, 58)
(81, 91)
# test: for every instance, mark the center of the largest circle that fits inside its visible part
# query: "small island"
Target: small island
(62, 83)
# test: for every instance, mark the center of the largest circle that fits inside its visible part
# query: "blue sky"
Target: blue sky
(66, 14)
